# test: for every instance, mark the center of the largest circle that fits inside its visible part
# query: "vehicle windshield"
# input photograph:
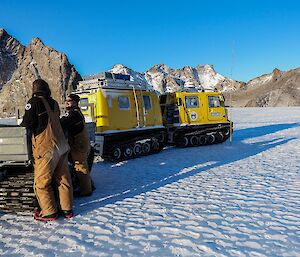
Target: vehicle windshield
(215, 101)
(84, 103)
(191, 102)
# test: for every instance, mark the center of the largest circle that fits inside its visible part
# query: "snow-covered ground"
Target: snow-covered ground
(239, 199)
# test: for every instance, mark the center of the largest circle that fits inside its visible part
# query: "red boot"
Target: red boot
(67, 214)
(37, 216)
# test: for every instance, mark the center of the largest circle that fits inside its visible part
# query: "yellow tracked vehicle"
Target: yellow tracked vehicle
(195, 118)
(126, 115)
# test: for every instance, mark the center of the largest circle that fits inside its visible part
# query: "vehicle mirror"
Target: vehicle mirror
(179, 101)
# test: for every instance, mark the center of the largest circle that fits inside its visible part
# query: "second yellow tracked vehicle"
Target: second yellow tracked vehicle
(195, 118)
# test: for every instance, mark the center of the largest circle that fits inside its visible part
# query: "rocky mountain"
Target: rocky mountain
(20, 66)
(10, 52)
(165, 79)
(270, 90)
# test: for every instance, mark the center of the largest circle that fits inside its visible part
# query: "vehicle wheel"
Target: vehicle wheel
(155, 146)
(117, 153)
(210, 139)
(202, 140)
(161, 138)
(194, 140)
(128, 151)
(137, 149)
(146, 147)
(227, 132)
(219, 137)
(183, 141)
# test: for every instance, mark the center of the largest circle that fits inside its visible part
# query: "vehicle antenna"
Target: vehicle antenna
(230, 93)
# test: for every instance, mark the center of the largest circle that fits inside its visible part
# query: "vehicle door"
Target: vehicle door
(87, 106)
(148, 112)
(193, 109)
(216, 108)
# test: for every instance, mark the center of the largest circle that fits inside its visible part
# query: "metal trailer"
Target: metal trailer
(16, 172)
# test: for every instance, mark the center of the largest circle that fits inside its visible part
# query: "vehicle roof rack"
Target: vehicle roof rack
(110, 80)
(107, 75)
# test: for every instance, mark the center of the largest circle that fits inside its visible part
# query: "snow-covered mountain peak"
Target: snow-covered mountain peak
(188, 68)
(160, 68)
(166, 79)
(134, 75)
(120, 68)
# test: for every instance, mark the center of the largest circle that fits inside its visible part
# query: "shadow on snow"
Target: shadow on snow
(115, 182)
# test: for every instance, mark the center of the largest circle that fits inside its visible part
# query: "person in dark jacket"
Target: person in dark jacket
(50, 154)
(73, 124)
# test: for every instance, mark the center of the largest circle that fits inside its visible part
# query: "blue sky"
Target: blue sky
(242, 38)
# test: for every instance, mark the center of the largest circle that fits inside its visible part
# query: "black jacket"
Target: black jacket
(73, 121)
(36, 117)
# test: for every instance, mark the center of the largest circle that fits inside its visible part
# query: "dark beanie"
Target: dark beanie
(74, 97)
(40, 86)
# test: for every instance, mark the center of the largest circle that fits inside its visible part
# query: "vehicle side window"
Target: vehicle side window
(109, 100)
(214, 101)
(123, 102)
(84, 103)
(191, 102)
(222, 100)
(147, 102)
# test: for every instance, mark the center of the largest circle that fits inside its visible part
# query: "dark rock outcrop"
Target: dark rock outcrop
(10, 52)
(30, 63)
(277, 89)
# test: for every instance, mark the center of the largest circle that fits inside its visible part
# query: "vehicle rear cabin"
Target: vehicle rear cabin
(126, 114)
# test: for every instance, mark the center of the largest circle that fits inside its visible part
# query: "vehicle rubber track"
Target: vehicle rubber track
(16, 192)
(135, 147)
(198, 138)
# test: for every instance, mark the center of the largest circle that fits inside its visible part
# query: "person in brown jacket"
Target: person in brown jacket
(73, 124)
(50, 154)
